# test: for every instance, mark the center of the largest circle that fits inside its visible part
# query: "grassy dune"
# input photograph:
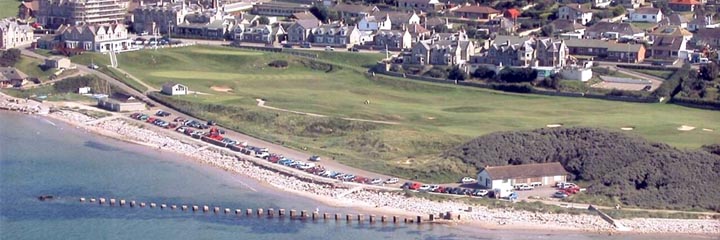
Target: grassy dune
(432, 117)
(9, 8)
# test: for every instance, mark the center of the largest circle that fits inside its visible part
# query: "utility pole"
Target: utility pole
(169, 32)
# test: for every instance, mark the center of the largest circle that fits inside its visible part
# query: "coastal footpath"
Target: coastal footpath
(382, 202)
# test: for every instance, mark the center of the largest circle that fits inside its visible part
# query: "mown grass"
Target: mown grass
(431, 117)
(31, 67)
(9, 8)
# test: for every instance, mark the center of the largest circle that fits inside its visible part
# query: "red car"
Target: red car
(150, 120)
(415, 186)
(440, 189)
(274, 158)
(571, 190)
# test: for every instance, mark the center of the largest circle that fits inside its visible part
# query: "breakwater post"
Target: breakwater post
(383, 219)
(303, 214)
(372, 218)
(259, 212)
(271, 212)
(282, 212)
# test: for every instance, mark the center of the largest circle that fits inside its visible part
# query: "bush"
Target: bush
(457, 74)
(10, 57)
(518, 88)
(612, 164)
(484, 73)
(518, 75)
(72, 84)
(279, 64)
(671, 86)
(437, 73)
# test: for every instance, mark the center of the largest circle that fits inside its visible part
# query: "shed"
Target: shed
(171, 88)
(120, 102)
(508, 176)
(57, 62)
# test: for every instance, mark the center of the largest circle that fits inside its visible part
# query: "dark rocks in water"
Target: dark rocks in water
(45, 197)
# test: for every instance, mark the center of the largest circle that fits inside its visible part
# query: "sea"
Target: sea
(39, 156)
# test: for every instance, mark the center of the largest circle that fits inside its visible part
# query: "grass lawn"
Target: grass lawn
(9, 8)
(31, 67)
(432, 117)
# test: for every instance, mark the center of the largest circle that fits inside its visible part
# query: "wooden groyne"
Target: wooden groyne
(273, 213)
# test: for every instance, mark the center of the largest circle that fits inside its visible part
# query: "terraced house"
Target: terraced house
(354, 11)
(335, 34)
(441, 49)
(476, 12)
(606, 50)
(523, 52)
(98, 38)
(14, 34)
(299, 32)
(392, 39)
(420, 5)
(260, 33)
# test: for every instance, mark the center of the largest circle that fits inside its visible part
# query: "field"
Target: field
(431, 117)
(9, 8)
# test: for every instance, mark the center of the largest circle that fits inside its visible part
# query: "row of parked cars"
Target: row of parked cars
(155, 120)
(448, 190)
(565, 189)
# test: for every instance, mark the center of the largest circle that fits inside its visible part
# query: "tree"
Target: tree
(264, 20)
(619, 10)
(483, 73)
(323, 13)
(709, 71)
(548, 30)
(457, 74)
(10, 57)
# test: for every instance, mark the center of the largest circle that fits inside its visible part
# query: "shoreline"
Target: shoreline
(373, 202)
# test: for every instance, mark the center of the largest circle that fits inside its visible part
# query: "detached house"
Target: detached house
(575, 12)
(707, 37)
(299, 32)
(420, 5)
(393, 40)
(668, 47)
(650, 15)
(373, 23)
(506, 177)
(683, 5)
(476, 12)
(398, 19)
(614, 31)
(172, 89)
(601, 3)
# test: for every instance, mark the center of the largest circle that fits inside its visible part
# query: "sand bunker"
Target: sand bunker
(221, 89)
(708, 130)
(554, 125)
(431, 118)
(686, 128)
(627, 128)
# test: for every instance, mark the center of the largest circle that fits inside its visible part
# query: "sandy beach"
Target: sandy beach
(371, 201)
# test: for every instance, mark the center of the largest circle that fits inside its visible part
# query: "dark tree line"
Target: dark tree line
(637, 172)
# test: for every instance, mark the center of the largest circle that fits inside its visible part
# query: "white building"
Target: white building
(13, 34)
(575, 12)
(601, 3)
(173, 89)
(650, 15)
(372, 23)
(576, 73)
(99, 38)
(506, 177)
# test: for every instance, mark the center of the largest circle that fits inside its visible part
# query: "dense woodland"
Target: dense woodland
(637, 172)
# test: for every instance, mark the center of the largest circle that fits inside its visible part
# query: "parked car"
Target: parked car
(424, 187)
(314, 158)
(287, 45)
(415, 186)
(392, 181)
(353, 49)
(306, 45)
(93, 66)
(523, 187)
(376, 181)
(329, 48)
(440, 189)
(179, 119)
(181, 129)
(560, 194)
(433, 188)
(466, 180)
(162, 113)
(480, 192)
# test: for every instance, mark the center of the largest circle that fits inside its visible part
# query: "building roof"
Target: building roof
(304, 16)
(674, 19)
(578, 8)
(476, 9)
(526, 170)
(308, 23)
(667, 43)
(647, 10)
(563, 25)
(417, 29)
(11, 73)
(513, 12)
(122, 97)
(509, 40)
(707, 33)
(671, 31)
(34, 5)
(611, 46)
(396, 17)
(622, 28)
(353, 8)
(684, 2)
(170, 84)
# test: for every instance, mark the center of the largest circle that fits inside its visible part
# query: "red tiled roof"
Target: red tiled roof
(477, 9)
(513, 12)
(685, 2)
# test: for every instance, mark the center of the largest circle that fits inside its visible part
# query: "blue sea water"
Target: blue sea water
(41, 157)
